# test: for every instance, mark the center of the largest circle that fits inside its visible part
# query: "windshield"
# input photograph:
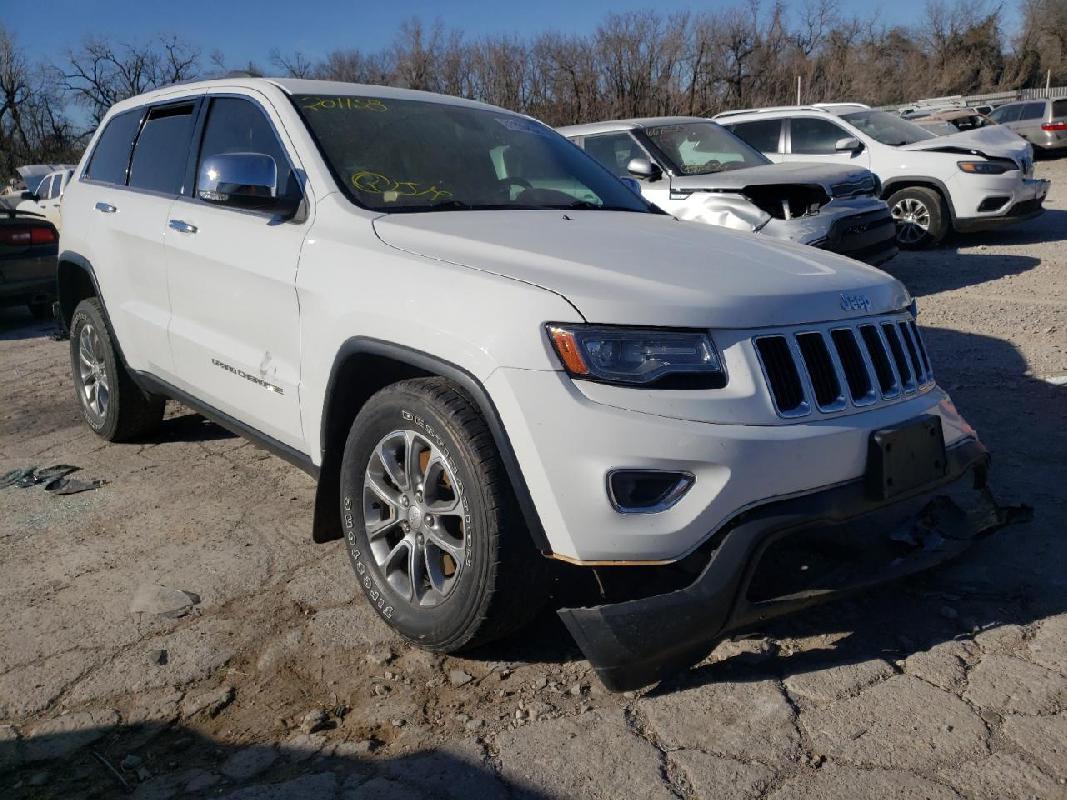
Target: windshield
(887, 128)
(701, 148)
(414, 155)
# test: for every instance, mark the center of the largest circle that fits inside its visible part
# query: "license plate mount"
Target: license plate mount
(905, 456)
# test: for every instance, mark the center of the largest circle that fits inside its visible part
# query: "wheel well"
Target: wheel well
(890, 189)
(74, 284)
(354, 381)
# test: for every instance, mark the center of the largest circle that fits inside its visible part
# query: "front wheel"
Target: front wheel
(920, 217)
(112, 404)
(431, 524)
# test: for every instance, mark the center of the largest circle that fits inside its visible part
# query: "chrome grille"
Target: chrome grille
(852, 364)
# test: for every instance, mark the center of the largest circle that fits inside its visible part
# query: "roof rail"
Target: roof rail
(736, 112)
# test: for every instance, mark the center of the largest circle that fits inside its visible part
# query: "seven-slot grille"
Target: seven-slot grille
(854, 364)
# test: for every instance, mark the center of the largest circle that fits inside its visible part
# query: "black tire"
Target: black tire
(920, 215)
(128, 413)
(499, 585)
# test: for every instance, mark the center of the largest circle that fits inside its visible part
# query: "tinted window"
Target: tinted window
(1059, 108)
(614, 151)
(814, 136)
(761, 133)
(112, 154)
(239, 126)
(391, 155)
(1033, 111)
(162, 150)
(1006, 114)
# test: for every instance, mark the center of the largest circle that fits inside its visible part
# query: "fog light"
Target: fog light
(646, 491)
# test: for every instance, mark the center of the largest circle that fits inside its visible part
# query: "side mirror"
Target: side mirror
(242, 180)
(642, 168)
(849, 144)
(633, 185)
(28, 195)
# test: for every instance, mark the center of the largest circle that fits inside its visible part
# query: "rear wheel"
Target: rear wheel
(112, 404)
(431, 524)
(920, 217)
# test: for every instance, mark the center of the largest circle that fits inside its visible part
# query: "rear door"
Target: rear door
(815, 139)
(1031, 118)
(137, 169)
(235, 331)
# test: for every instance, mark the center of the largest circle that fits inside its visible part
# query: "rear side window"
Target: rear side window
(43, 187)
(111, 157)
(161, 154)
(614, 151)
(235, 125)
(57, 185)
(1033, 111)
(1059, 108)
(809, 136)
(763, 134)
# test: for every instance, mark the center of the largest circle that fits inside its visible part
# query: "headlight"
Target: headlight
(646, 357)
(982, 167)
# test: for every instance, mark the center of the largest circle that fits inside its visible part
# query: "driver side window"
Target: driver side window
(236, 125)
(816, 137)
(614, 151)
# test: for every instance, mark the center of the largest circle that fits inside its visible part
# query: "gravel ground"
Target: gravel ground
(176, 631)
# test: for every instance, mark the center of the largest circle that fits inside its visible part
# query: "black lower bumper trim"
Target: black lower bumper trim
(639, 642)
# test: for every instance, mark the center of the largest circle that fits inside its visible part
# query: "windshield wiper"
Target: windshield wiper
(449, 205)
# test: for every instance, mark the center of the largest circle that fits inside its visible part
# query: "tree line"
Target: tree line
(634, 64)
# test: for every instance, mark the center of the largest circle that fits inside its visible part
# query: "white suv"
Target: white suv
(507, 371)
(968, 181)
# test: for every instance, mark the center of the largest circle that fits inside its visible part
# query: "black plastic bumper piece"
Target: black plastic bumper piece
(869, 237)
(635, 643)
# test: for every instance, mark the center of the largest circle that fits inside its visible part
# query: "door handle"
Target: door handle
(105, 208)
(181, 226)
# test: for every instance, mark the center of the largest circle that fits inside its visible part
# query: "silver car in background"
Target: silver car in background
(1043, 123)
(696, 170)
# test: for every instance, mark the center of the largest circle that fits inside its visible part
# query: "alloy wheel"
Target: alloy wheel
(413, 512)
(912, 218)
(92, 372)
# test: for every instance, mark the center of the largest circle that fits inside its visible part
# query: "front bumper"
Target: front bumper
(1024, 201)
(869, 237)
(638, 642)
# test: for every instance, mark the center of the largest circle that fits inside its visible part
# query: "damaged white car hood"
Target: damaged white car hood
(649, 269)
(992, 140)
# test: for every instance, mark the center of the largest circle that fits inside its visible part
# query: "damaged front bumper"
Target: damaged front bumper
(638, 642)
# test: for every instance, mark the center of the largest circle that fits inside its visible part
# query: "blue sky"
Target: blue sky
(248, 29)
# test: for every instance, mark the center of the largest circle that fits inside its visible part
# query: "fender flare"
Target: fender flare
(327, 523)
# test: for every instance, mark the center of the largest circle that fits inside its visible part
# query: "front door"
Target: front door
(815, 139)
(235, 332)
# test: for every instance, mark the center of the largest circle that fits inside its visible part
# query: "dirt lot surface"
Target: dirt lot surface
(270, 677)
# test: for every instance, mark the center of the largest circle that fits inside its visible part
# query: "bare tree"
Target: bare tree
(101, 74)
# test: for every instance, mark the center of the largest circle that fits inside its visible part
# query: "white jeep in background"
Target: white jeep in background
(968, 181)
(499, 363)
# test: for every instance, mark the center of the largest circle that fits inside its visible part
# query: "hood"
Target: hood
(826, 175)
(650, 269)
(992, 140)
